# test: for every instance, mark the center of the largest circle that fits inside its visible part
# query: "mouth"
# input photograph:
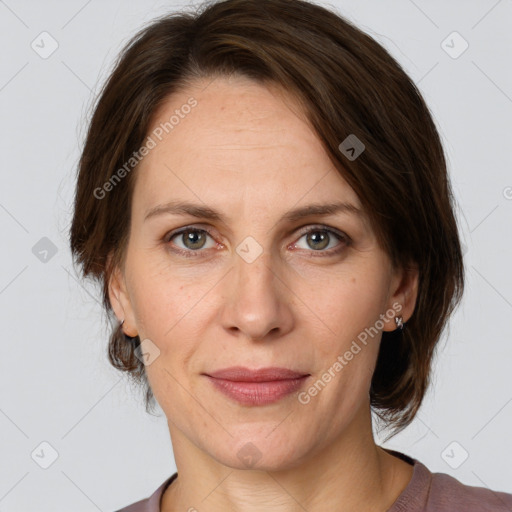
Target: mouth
(257, 387)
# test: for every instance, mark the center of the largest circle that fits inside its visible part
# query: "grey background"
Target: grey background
(56, 384)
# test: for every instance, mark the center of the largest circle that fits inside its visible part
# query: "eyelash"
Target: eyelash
(342, 237)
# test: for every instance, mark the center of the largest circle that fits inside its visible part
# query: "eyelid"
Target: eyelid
(323, 227)
(198, 227)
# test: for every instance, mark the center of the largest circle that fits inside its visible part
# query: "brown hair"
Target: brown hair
(347, 84)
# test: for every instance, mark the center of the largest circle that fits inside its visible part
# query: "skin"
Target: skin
(247, 151)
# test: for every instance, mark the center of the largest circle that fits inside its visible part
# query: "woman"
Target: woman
(264, 197)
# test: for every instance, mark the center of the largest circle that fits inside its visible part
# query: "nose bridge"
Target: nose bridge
(254, 266)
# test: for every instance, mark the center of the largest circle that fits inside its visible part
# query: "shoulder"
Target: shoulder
(151, 503)
(440, 492)
(138, 506)
(448, 493)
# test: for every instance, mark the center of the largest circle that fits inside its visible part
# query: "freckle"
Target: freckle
(353, 279)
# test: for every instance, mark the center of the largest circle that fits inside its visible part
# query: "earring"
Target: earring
(399, 322)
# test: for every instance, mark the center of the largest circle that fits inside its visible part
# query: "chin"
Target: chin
(259, 453)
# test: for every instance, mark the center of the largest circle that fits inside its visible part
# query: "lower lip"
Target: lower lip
(257, 393)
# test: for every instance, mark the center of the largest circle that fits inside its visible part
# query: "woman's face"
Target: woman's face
(256, 287)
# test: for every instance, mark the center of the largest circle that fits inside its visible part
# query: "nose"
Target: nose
(257, 299)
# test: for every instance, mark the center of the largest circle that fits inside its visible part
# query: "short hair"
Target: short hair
(347, 84)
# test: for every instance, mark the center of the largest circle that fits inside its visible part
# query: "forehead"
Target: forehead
(241, 139)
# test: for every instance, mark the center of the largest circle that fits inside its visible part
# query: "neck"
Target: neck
(353, 473)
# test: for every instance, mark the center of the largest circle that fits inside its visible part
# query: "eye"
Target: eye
(193, 239)
(319, 238)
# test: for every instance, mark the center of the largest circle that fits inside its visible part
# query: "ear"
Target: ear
(403, 295)
(120, 299)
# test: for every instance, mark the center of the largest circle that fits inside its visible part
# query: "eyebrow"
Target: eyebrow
(200, 211)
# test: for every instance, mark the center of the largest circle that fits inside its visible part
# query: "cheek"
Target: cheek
(348, 305)
(159, 298)
(166, 308)
(348, 353)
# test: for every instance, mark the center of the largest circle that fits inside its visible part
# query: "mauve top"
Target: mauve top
(426, 492)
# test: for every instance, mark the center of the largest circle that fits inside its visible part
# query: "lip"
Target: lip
(243, 374)
(257, 387)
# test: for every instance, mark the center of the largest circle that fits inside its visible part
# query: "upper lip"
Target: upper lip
(243, 374)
